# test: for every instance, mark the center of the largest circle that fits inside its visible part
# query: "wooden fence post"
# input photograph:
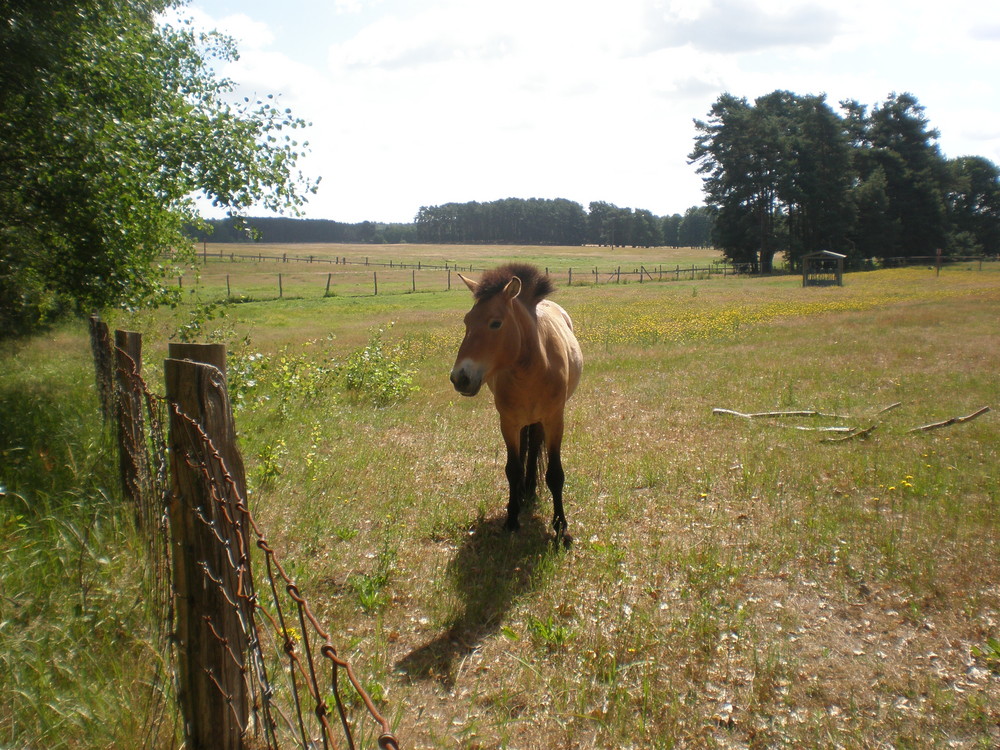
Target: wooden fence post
(375, 276)
(208, 524)
(100, 347)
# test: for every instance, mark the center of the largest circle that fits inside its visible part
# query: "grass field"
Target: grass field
(730, 582)
(251, 272)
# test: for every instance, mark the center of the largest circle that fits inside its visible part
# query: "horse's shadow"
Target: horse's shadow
(491, 570)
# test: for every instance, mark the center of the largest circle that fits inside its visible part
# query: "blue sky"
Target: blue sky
(422, 103)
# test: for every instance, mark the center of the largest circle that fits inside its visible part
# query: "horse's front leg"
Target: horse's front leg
(515, 476)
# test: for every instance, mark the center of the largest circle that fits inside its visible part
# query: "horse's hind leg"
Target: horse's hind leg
(555, 478)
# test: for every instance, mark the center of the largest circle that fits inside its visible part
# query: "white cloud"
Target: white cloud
(731, 26)
(453, 100)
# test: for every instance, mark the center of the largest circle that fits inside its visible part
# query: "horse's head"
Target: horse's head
(492, 336)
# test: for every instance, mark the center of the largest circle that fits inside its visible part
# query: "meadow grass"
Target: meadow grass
(730, 582)
(79, 665)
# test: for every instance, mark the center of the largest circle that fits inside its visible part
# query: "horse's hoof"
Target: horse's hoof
(512, 524)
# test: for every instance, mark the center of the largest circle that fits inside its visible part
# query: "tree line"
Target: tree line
(289, 230)
(560, 222)
(520, 221)
(787, 174)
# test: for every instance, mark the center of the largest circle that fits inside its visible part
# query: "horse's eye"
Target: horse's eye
(494, 324)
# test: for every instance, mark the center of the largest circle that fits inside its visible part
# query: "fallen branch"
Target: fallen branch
(890, 407)
(772, 414)
(953, 420)
(819, 429)
(856, 434)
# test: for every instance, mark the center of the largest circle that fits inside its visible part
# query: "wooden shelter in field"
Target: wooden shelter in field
(823, 268)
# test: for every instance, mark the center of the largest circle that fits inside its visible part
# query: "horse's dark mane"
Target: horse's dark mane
(535, 285)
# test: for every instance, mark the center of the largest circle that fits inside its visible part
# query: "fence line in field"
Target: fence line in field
(364, 277)
(250, 664)
(399, 280)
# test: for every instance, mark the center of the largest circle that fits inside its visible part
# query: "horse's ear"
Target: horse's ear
(513, 288)
(473, 285)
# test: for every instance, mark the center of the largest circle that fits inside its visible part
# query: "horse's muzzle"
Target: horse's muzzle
(463, 383)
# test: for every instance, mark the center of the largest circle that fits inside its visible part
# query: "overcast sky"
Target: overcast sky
(419, 103)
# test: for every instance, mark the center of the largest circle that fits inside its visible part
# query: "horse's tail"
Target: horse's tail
(533, 454)
(540, 458)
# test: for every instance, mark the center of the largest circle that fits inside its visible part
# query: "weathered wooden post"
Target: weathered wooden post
(208, 524)
(132, 452)
(100, 347)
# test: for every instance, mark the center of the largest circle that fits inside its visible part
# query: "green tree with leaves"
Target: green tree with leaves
(816, 180)
(695, 227)
(974, 206)
(738, 149)
(111, 122)
(778, 174)
(896, 150)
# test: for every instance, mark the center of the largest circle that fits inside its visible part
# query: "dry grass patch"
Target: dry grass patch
(730, 583)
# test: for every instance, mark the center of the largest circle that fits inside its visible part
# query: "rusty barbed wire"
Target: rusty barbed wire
(306, 667)
(282, 710)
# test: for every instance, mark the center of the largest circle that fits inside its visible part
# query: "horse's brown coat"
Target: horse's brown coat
(523, 347)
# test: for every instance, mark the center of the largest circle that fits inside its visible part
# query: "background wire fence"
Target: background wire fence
(258, 276)
(244, 656)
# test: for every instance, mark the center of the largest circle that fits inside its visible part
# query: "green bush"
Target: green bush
(376, 373)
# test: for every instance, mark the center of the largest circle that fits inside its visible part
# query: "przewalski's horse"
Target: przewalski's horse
(522, 346)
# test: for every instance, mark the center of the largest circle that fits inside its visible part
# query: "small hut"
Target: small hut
(823, 268)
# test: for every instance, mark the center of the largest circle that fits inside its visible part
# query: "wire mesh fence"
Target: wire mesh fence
(247, 661)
